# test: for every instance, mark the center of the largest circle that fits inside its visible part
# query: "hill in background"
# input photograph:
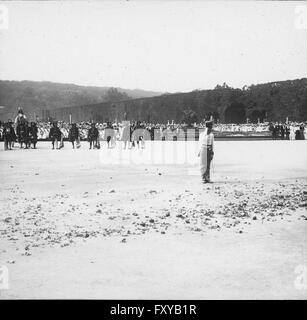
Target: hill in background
(34, 96)
(274, 101)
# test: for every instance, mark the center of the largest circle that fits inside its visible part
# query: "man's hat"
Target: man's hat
(209, 124)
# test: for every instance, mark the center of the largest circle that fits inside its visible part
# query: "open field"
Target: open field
(74, 225)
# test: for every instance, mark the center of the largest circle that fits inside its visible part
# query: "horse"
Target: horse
(23, 133)
(8, 135)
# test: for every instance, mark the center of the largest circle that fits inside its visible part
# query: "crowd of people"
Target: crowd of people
(28, 133)
(288, 131)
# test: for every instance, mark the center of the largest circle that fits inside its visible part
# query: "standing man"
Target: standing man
(33, 134)
(282, 132)
(55, 135)
(8, 135)
(74, 135)
(92, 136)
(302, 131)
(206, 142)
(287, 132)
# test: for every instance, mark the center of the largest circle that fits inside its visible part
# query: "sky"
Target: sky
(165, 46)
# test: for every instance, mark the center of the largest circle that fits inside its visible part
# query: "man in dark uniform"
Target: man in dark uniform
(27, 136)
(73, 134)
(33, 134)
(278, 130)
(55, 135)
(9, 135)
(302, 129)
(92, 136)
(274, 131)
(282, 131)
(287, 132)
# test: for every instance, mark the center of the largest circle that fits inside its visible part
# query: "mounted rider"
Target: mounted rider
(21, 125)
(20, 118)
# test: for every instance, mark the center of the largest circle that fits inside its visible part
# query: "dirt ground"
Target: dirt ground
(74, 224)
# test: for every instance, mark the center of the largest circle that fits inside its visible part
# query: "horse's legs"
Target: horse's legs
(5, 144)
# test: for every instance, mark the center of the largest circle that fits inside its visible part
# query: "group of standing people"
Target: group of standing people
(131, 135)
(282, 131)
(22, 130)
(57, 137)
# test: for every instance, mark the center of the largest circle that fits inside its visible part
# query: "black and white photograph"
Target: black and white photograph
(153, 150)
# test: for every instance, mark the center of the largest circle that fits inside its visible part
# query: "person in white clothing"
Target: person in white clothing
(206, 144)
